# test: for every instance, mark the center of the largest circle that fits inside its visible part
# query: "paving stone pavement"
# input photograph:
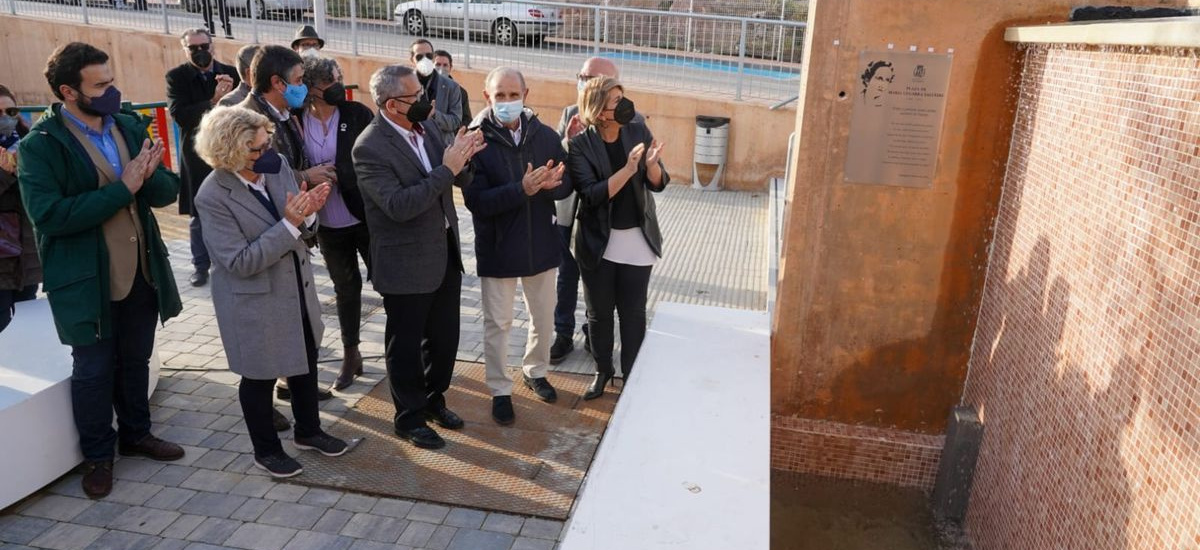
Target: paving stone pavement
(715, 254)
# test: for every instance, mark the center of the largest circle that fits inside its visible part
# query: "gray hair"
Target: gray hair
(245, 57)
(183, 38)
(385, 83)
(501, 72)
(319, 70)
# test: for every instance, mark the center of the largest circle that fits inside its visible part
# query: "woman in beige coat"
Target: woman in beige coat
(255, 220)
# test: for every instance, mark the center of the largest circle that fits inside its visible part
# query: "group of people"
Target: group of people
(276, 159)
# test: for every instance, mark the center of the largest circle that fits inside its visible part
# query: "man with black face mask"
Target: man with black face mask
(406, 173)
(89, 178)
(331, 125)
(192, 89)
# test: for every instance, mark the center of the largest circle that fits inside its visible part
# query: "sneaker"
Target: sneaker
(502, 410)
(563, 346)
(323, 443)
(542, 388)
(279, 465)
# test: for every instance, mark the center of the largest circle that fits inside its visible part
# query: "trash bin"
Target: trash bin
(712, 143)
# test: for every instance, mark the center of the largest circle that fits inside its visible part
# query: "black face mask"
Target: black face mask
(335, 94)
(623, 112)
(107, 104)
(200, 58)
(419, 110)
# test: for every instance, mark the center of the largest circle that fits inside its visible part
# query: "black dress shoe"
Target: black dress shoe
(282, 424)
(502, 410)
(153, 448)
(562, 347)
(445, 418)
(97, 478)
(422, 436)
(199, 277)
(542, 388)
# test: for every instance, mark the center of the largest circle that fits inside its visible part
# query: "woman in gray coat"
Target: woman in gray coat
(255, 219)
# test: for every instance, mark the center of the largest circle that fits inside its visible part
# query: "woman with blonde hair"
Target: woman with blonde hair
(255, 220)
(612, 164)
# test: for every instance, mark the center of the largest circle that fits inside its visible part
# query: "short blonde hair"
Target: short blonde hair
(594, 99)
(226, 134)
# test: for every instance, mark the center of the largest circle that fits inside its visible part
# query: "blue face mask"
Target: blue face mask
(268, 163)
(295, 94)
(508, 112)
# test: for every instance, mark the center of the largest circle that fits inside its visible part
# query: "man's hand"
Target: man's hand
(548, 176)
(154, 152)
(133, 174)
(224, 86)
(466, 144)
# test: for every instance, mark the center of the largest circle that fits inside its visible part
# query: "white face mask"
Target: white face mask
(425, 67)
(580, 84)
(310, 52)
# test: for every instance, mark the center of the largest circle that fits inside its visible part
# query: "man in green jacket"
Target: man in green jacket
(88, 179)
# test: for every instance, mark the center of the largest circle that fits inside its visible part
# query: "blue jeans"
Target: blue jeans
(200, 259)
(568, 287)
(114, 374)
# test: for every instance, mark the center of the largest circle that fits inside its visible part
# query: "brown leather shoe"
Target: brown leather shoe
(97, 478)
(152, 448)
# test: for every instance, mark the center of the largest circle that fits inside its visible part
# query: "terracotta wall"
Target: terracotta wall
(1085, 366)
(879, 286)
(757, 143)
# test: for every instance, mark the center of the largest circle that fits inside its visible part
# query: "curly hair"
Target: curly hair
(226, 134)
(320, 70)
(594, 99)
(67, 63)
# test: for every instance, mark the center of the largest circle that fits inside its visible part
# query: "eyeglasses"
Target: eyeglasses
(585, 77)
(198, 47)
(12, 111)
(416, 97)
(420, 56)
(261, 148)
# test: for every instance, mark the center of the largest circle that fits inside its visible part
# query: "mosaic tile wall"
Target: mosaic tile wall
(844, 451)
(1086, 363)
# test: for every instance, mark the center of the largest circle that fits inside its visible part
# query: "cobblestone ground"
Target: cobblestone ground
(215, 498)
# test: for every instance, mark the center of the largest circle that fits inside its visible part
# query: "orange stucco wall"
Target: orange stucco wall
(757, 143)
(880, 286)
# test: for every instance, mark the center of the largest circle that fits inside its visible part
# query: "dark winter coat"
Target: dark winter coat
(515, 235)
(21, 271)
(189, 97)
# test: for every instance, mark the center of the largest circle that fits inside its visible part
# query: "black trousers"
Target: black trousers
(623, 288)
(412, 318)
(207, 7)
(341, 248)
(256, 399)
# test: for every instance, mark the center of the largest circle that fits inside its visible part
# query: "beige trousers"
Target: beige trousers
(498, 299)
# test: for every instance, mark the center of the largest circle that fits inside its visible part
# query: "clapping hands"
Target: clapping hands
(544, 177)
(466, 144)
(140, 168)
(301, 205)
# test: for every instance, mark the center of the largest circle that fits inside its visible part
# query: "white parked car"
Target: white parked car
(506, 22)
(293, 10)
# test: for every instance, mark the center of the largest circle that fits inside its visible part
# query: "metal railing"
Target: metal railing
(738, 57)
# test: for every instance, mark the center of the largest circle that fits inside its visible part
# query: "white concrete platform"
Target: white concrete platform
(35, 403)
(685, 462)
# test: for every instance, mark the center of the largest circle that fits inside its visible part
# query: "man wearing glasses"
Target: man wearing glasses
(444, 93)
(405, 173)
(192, 89)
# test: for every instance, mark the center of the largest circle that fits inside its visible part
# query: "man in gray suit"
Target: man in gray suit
(405, 173)
(445, 94)
(245, 57)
